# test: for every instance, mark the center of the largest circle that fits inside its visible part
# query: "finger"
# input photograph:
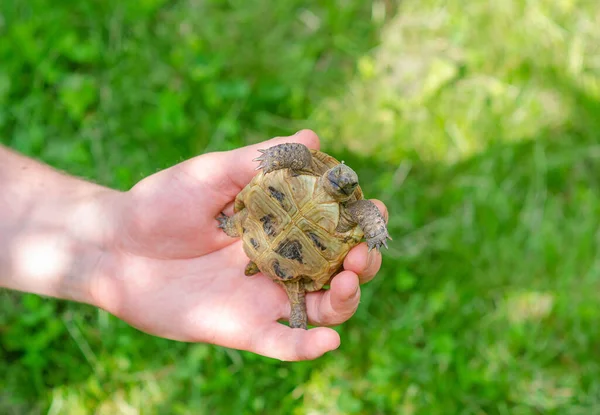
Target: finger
(336, 305)
(238, 166)
(284, 343)
(245, 168)
(362, 262)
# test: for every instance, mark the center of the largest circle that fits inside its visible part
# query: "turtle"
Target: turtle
(299, 217)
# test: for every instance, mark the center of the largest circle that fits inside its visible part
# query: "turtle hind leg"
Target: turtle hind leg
(297, 297)
(231, 225)
(293, 156)
(251, 269)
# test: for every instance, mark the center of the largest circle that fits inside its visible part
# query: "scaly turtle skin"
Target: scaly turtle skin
(299, 217)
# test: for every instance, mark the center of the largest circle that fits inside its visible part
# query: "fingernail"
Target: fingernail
(371, 258)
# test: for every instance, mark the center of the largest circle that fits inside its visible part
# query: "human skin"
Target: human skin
(154, 257)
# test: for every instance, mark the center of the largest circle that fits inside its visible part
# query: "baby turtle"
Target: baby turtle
(299, 217)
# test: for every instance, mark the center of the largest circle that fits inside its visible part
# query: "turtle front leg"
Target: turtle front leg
(297, 296)
(232, 225)
(370, 220)
(293, 156)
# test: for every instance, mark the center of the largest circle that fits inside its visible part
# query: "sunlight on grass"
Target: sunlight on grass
(449, 78)
(331, 390)
(527, 306)
(545, 391)
(145, 392)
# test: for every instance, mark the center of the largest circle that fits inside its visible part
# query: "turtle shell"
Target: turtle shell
(290, 227)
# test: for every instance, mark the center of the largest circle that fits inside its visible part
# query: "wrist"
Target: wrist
(91, 228)
(55, 229)
(59, 248)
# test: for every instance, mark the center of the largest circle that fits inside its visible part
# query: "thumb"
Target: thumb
(284, 343)
(229, 171)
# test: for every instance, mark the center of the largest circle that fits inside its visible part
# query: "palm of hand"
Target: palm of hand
(178, 276)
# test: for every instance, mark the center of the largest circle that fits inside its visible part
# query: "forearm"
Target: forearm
(54, 229)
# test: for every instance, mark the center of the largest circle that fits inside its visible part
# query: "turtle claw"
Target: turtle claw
(222, 219)
(264, 161)
(229, 224)
(267, 163)
(378, 241)
(262, 165)
(261, 158)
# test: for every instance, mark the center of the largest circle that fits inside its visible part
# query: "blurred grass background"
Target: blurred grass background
(478, 124)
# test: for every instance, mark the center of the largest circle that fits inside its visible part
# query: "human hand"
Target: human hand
(174, 274)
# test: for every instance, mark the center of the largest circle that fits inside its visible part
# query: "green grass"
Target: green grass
(478, 125)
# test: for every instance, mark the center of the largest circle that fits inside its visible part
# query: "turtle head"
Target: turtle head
(340, 182)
